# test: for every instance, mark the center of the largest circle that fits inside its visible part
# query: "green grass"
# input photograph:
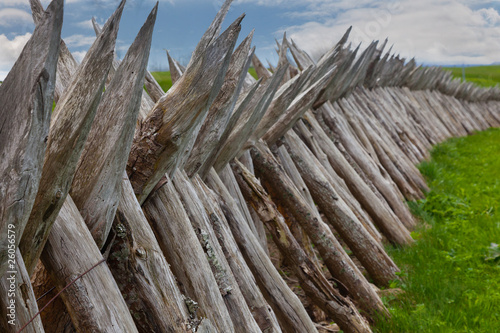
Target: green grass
(485, 76)
(451, 276)
(163, 79)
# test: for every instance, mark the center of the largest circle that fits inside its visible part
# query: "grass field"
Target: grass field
(486, 76)
(451, 276)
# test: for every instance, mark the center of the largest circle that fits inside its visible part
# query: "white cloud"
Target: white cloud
(87, 24)
(79, 55)
(79, 40)
(10, 51)
(14, 16)
(444, 32)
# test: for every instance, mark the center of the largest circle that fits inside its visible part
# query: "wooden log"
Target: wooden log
(312, 280)
(162, 142)
(288, 197)
(290, 312)
(25, 111)
(337, 182)
(97, 182)
(175, 69)
(17, 300)
(94, 301)
(368, 251)
(236, 306)
(179, 243)
(249, 120)
(246, 160)
(227, 177)
(261, 311)
(241, 106)
(221, 109)
(388, 189)
(153, 87)
(66, 64)
(142, 272)
(297, 109)
(378, 208)
(260, 69)
(69, 128)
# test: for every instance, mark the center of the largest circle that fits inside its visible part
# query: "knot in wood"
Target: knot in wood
(140, 252)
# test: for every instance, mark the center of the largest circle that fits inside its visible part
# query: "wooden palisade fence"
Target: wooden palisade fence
(176, 191)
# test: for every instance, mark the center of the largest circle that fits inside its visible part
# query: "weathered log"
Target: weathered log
(97, 182)
(286, 195)
(246, 160)
(261, 311)
(162, 141)
(94, 301)
(338, 183)
(227, 177)
(290, 312)
(17, 300)
(296, 110)
(365, 162)
(66, 64)
(221, 109)
(69, 128)
(238, 310)
(25, 111)
(311, 279)
(179, 243)
(249, 120)
(368, 251)
(142, 272)
(241, 106)
(153, 87)
(175, 69)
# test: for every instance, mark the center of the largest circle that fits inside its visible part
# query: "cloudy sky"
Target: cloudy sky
(442, 32)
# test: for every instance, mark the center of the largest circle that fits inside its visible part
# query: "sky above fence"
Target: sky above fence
(444, 32)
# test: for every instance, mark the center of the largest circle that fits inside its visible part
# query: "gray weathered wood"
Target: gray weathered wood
(94, 302)
(369, 252)
(16, 286)
(26, 97)
(290, 312)
(97, 182)
(235, 303)
(162, 141)
(69, 128)
(261, 311)
(179, 243)
(311, 279)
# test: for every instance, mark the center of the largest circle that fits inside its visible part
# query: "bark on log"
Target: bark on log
(312, 280)
(286, 195)
(142, 272)
(238, 310)
(25, 111)
(369, 252)
(180, 245)
(94, 301)
(288, 309)
(69, 128)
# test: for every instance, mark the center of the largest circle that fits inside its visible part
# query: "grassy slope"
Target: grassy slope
(486, 76)
(451, 276)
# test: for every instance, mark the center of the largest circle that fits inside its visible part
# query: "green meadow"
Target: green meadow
(486, 76)
(451, 277)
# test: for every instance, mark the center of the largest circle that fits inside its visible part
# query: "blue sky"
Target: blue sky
(451, 32)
